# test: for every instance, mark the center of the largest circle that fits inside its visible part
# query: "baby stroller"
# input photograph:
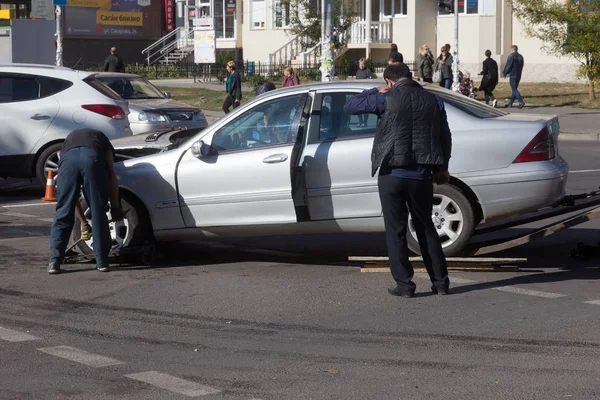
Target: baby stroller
(466, 86)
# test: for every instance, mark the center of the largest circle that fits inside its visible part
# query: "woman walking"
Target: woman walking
(395, 55)
(425, 63)
(233, 87)
(444, 64)
(290, 79)
(489, 79)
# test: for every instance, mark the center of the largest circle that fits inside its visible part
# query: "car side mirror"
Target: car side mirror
(167, 95)
(200, 149)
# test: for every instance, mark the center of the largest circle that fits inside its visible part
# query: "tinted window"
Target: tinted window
(465, 104)
(52, 86)
(267, 124)
(336, 123)
(102, 88)
(132, 88)
(14, 89)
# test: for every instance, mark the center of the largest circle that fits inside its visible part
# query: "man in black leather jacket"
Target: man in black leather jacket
(411, 150)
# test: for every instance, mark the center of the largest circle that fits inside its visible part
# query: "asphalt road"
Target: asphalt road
(231, 321)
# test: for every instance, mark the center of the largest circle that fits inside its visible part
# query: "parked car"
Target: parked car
(293, 162)
(40, 105)
(151, 109)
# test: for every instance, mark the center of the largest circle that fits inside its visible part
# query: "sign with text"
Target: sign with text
(125, 18)
(42, 9)
(205, 43)
(169, 15)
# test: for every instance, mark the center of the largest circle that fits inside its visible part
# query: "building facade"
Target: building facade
(483, 25)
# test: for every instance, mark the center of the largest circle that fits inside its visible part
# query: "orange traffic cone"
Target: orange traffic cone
(50, 196)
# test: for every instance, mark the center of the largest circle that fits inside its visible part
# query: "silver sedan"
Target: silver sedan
(293, 162)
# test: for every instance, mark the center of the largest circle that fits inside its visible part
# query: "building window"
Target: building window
(225, 19)
(259, 14)
(394, 7)
(281, 13)
(446, 7)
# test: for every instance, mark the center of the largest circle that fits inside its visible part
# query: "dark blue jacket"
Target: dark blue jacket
(514, 65)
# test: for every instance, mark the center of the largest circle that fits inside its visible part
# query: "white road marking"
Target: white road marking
(46, 219)
(594, 302)
(173, 383)
(80, 356)
(453, 281)
(584, 171)
(529, 292)
(15, 336)
(28, 205)
(16, 214)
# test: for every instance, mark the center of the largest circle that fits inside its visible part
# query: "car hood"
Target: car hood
(151, 143)
(159, 104)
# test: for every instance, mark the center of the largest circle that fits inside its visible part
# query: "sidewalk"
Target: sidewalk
(189, 83)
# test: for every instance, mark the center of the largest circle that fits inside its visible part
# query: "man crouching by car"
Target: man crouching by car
(411, 150)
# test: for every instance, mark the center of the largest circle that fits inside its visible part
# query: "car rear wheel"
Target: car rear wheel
(453, 219)
(129, 232)
(48, 160)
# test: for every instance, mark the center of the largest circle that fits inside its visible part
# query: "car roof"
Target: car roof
(43, 69)
(115, 75)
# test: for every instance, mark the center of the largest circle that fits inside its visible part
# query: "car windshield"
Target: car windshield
(132, 88)
(470, 106)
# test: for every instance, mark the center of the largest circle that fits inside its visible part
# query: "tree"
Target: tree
(305, 21)
(568, 28)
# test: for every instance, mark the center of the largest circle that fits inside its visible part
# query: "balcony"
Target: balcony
(381, 33)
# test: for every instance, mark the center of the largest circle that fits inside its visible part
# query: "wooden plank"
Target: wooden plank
(450, 260)
(381, 268)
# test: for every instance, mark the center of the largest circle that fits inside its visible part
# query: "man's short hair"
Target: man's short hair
(362, 60)
(488, 53)
(515, 47)
(395, 72)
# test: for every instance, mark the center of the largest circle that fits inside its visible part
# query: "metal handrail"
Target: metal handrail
(162, 39)
(161, 48)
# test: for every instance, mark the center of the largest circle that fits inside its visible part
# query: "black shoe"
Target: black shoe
(439, 291)
(395, 292)
(508, 105)
(521, 105)
(53, 268)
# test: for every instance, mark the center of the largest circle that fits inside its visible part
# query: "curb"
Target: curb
(579, 136)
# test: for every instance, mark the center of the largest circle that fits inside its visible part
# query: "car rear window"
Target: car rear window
(102, 88)
(52, 86)
(470, 106)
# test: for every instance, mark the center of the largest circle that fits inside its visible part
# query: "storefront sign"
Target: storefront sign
(169, 15)
(42, 9)
(204, 46)
(230, 7)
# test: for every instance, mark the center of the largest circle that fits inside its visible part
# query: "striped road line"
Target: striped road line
(15, 336)
(173, 384)
(594, 302)
(80, 356)
(529, 292)
(17, 214)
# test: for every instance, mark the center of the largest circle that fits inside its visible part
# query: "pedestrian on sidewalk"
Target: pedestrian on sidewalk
(363, 72)
(290, 78)
(514, 69)
(233, 87)
(86, 160)
(113, 62)
(489, 81)
(395, 54)
(425, 61)
(444, 65)
(411, 150)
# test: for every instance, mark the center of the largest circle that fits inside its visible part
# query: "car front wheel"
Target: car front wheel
(126, 233)
(47, 161)
(453, 219)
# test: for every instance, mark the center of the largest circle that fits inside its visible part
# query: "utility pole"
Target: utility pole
(455, 61)
(59, 49)
(327, 67)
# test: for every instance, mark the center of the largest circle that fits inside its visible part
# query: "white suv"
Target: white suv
(40, 105)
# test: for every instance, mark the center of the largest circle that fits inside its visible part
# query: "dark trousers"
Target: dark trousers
(400, 196)
(228, 103)
(488, 95)
(81, 166)
(514, 86)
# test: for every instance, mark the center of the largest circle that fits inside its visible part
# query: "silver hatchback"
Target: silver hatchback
(293, 162)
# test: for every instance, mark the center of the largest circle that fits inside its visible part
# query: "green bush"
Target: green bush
(342, 64)
(309, 75)
(256, 80)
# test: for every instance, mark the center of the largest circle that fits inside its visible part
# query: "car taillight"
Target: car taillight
(541, 148)
(108, 110)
